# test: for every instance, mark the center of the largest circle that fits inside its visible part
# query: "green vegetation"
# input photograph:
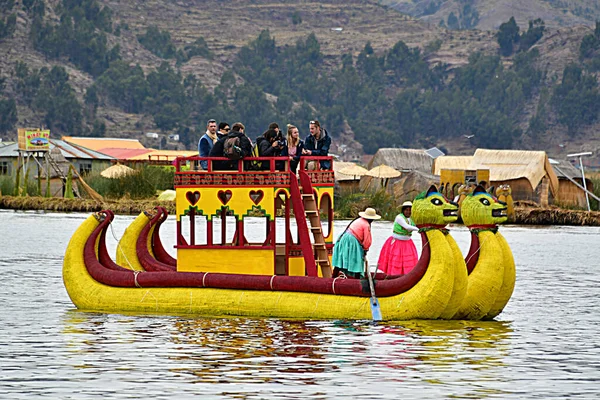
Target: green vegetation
(468, 16)
(8, 26)
(589, 50)
(158, 42)
(410, 102)
(595, 178)
(48, 92)
(508, 36)
(80, 35)
(141, 185)
(348, 205)
(577, 97)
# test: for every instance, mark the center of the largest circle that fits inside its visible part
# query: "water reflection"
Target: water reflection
(544, 345)
(251, 350)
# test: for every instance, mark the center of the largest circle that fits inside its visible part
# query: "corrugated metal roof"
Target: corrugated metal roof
(566, 168)
(9, 150)
(69, 151)
(104, 143)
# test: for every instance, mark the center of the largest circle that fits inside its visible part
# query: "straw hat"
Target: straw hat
(369, 213)
(406, 204)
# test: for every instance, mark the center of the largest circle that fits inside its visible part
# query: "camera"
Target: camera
(281, 143)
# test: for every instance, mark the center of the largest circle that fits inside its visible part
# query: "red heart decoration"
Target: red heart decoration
(193, 197)
(224, 196)
(256, 196)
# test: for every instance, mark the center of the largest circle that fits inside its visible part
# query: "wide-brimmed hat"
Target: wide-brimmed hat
(406, 204)
(369, 213)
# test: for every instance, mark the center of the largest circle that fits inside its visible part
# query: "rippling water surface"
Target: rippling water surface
(544, 345)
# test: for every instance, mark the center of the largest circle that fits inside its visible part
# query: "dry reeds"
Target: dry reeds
(125, 206)
(555, 216)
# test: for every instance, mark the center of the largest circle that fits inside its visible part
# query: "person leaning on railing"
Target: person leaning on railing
(317, 144)
(218, 150)
(207, 141)
(293, 147)
(268, 146)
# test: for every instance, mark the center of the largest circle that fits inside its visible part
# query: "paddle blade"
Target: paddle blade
(375, 310)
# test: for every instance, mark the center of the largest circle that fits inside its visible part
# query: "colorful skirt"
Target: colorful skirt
(348, 254)
(397, 257)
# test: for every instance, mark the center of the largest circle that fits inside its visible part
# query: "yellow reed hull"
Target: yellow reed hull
(485, 281)
(426, 300)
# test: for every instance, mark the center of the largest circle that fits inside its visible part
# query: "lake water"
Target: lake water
(544, 345)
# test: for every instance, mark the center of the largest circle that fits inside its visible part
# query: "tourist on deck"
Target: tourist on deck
(293, 147)
(317, 144)
(351, 247)
(275, 127)
(207, 141)
(399, 254)
(223, 129)
(244, 144)
(268, 145)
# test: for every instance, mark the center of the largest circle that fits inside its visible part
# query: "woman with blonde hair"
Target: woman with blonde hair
(293, 147)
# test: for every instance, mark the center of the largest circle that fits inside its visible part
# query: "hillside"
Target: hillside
(340, 27)
(492, 13)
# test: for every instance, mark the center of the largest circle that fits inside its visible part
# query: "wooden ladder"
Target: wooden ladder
(312, 213)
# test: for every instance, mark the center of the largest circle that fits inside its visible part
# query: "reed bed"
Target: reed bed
(555, 216)
(122, 206)
(142, 185)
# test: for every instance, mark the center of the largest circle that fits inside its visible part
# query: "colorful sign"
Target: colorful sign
(34, 139)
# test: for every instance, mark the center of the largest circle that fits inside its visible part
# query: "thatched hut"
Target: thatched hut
(403, 160)
(529, 173)
(410, 184)
(569, 193)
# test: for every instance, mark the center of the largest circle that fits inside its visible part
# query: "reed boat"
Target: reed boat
(286, 275)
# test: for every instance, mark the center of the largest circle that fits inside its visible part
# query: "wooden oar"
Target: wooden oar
(375, 309)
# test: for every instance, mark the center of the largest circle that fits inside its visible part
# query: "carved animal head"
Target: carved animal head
(432, 208)
(481, 208)
(503, 190)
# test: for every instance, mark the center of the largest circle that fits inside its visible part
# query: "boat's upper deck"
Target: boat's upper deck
(274, 171)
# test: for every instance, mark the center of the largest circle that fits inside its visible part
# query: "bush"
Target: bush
(349, 205)
(141, 185)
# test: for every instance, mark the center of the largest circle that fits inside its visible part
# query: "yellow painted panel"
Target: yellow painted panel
(230, 261)
(296, 266)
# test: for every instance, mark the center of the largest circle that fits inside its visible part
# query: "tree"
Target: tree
(453, 21)
(158, 42)
(7, 28)
(507, 36)
(533, 35)
(8, 114)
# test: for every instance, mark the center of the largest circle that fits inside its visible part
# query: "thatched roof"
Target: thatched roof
(506, 165)
(451, 162)
(410, 184)
(403, 160)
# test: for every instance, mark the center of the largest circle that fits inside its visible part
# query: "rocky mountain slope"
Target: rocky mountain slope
(340, 26)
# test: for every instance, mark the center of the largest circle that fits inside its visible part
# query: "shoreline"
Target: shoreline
(524, 215)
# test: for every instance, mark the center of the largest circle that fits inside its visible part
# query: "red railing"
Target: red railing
(247, 164)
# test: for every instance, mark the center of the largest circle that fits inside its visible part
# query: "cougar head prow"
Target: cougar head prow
(481, 208)
(432, 208)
